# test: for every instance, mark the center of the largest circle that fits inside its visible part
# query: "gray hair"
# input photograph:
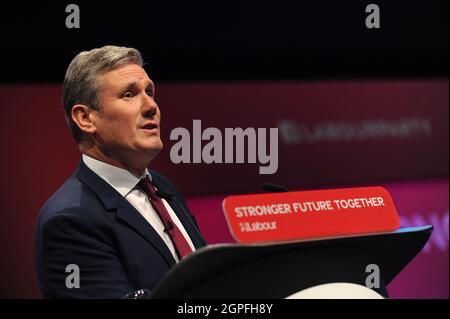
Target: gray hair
(81, 85)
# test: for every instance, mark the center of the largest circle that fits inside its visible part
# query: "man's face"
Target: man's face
(129, 118)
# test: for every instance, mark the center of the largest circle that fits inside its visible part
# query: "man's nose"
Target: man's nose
(150, 107)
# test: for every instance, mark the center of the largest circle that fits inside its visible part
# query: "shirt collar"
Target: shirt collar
(120, 179)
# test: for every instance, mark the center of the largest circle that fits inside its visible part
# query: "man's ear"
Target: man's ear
(84, 118)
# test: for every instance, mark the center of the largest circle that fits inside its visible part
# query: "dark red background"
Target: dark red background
(38, 153)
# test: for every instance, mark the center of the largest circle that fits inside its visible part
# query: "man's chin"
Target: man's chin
(153, 149)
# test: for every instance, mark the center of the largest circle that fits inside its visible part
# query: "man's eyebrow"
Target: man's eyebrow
(151, 85)
(135, 84)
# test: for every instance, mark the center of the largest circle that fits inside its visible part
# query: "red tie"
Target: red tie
(181, 245)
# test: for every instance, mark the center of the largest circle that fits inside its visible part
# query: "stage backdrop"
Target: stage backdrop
(336, 133)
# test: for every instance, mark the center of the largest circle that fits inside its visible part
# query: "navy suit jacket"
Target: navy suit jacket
(89, 224)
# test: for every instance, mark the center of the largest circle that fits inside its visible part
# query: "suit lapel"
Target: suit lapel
(128, 214)
(113, 201)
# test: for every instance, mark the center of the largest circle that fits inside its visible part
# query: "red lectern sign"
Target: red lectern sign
(310, 214)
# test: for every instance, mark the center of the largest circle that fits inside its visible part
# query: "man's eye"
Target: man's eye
(149, 92)
(128, 95)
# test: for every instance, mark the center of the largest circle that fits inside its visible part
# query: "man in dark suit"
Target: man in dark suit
(113, 227)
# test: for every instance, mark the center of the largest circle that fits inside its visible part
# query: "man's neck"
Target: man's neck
(134, 167)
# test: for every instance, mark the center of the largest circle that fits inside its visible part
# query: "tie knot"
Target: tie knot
(147, 186)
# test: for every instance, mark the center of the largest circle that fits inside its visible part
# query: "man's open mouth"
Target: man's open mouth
(149, 126)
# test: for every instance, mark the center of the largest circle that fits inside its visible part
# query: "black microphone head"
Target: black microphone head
(274, 188)
(164, 194)
(168, 227)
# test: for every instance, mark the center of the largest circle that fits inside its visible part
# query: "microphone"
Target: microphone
(274, 188)
(168, 227)
(163, 194)
(168, 196)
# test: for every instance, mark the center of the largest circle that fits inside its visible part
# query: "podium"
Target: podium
(278, 270)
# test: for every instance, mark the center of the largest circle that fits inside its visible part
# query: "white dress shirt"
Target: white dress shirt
(125, 183)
